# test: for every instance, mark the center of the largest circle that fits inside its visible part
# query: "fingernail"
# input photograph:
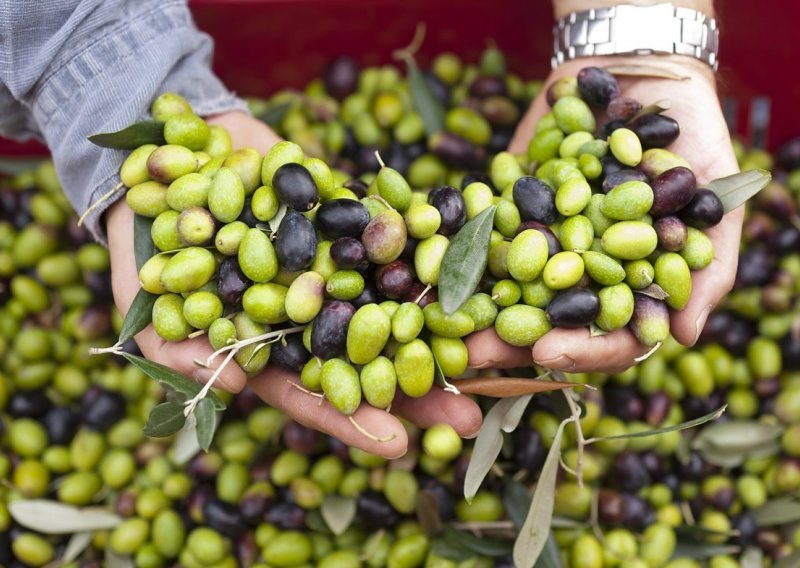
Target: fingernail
(471, 436)
(561, 362)
(700, 323)
(202, 375)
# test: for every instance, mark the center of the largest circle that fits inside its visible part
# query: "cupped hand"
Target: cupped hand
(705, 142)
(276, 386)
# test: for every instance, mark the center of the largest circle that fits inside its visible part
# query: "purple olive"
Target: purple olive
(619, 177)
(623, 108)
(341, 77)
(535, 200)
(703, 211)
(597, 86)
(394, 280)
(574, 308)
(329, 334)
(656, 130)
(348, 253)
(673, 190)
(671, 233)
(451, 206)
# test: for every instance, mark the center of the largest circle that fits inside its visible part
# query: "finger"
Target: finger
(182, 355)
(246, 131)
(525, 128)
(438, 406)
(712, 283)
(487, 350)
(575, 350)
(276, 387)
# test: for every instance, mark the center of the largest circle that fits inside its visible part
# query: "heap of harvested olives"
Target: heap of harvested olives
(605, 232)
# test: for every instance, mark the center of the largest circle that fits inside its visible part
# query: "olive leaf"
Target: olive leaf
(114, 560)
(506, 387)
(656, 108)
(426, 104)
(550, 556)
(450, 550)
(428, 513)
(480, 546)
(165, 419)
(655, 432)
(735, 189)
(206, 415)
(52, 517)
(654, 291)
(737, 436)
(517, 501)
(753, 557)
(644, 71)
(699, 550)
(143, 247)
(338, 512)
(171, 379)
(185, 446)
(275, 222)
(441, 380)
(504, 416)
(777, 512)
(77, 543)
(465, 260)
(139, 315)
(274, 115)
(536, 530)
(130, 138)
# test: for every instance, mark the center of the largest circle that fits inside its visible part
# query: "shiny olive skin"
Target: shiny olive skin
(342, 218)
(704, 210)
(329, 334)
(577, 307)
(295, 242)
(535, 200)
(294, 186)
(451, 206)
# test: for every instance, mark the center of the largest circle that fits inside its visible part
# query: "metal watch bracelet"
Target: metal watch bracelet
(631, 29)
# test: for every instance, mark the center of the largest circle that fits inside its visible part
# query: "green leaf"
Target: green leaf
(143, 247)
(425, 102)
(338, 512)
(702, 550)
(130, 138)
(517, 501)
(682, 426)
(139, 315)
(185, 446)
(729, 444)
(535, 532)
(428, 513)
(656, 108)
(206, 415)
(52, 517)
(480, 546)
(77, 543)
(450, 550)
(274, 115)
(465, 260)
(777, 512)
(738, 188)
(171, 379)
(550, 556)
(504, 416)
(165, 419)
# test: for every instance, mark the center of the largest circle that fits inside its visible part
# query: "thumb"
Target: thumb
(526, 127)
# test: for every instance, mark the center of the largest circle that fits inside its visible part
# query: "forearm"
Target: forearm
(95, 68)
(563, 7)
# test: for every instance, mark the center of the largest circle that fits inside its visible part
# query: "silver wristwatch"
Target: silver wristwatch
(626, 28)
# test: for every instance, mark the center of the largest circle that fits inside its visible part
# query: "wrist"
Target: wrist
(563, 8)
(679, 66)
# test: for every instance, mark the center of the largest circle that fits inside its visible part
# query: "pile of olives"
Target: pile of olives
(71, 425)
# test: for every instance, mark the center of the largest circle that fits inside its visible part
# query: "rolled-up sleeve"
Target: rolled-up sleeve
(70, 68)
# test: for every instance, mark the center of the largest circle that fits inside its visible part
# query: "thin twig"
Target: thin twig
(576, 415)
(422, 295)
(116, 348)
(100, 201)
(305, 390)
(253, 340)
(369, 434)
(191, 404)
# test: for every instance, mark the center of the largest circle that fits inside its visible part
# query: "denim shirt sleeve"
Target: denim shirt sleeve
(72, 68)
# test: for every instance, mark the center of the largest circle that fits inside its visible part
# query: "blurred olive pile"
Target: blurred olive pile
(272, 493)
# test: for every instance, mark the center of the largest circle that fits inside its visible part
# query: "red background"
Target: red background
(263, 45)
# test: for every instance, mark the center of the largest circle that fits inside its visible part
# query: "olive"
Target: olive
(671, 233)
(790, 351)
(553, 244)
(619, 177)
(535, 200)
(224, 518)
(622, 108)
(577, 307)
(294, 186)
(369, 295)
(655, 130)
(329, 333)
(487, 86)
(786, 240)
(61, 424)
(341, 77)
(286, 516)
(348, 253)
(755, 267)
(374, 510)
(342, 218)
(673, 190)
(457, 151)
(628, 472)
(704, 210)
(597, 86)
(290, 353)
(101, 410)
(451, 206)
(394, 280)
(231, 282)
(29, 404)
(295, 242)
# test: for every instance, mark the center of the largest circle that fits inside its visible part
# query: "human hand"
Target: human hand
(274, 385)
(705, 142)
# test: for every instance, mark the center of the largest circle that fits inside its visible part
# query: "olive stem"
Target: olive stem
(412, 48)
(197, 333)
(368, 434)
(484, 526)
(422, 295)
(576, 416)
(649, 353)
(380, 160)
(99, 202)
(116, 348)
(594, 514)
(686, 510)
(191, 404)
(252, 340)
(305, 390)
